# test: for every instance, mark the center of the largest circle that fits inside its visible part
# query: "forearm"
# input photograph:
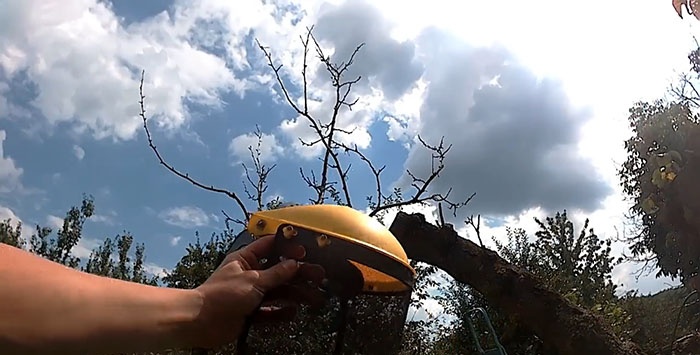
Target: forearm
(48, 308)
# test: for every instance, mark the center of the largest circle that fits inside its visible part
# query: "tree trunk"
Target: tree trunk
(560, 324)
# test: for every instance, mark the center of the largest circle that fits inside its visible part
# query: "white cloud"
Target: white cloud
(85, 63)
(154, 269)
(269, 147)
(185, 217)
(79, 152)
(175, 240)
(107, 218)
(353, 126)
(84, 247)
(10, 173)
(54, 222)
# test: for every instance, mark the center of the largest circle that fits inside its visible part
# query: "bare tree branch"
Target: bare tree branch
(184, 176)
(439, 153)
(375, 172)
(686, 91)
(324, 131)
(228, 220)
(476, 226)
(259, 185)
(327, 134)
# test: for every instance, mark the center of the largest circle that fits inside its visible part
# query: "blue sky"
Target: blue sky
(536, 116)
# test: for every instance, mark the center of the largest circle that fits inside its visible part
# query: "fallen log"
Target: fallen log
(561, 325)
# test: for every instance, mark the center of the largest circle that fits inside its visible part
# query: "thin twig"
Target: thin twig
(175, 171)
(439, 154)
(262, 172)
(324, 132)
(476, 226)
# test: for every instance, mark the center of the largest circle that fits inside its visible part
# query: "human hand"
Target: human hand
(238, 287)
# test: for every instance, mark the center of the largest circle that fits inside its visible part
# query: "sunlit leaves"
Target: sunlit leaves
(659, 153)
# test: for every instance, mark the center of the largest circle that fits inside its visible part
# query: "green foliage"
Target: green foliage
(657, 154)
(654, 317)
(575, 265)
(578, 266)
(101, 261)
(59, 249)
(56, 249)
(11, 235)
(199, 262)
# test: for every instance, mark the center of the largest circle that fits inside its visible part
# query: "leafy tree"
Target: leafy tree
(59, 249)
(576, 265)
(198, 263)
(101, 261)
(56, 249)
(660, 177)
(11, 235)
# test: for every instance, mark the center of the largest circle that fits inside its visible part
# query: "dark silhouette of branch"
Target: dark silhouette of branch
(439, 153)
(326, 132)
(376, 172)
(184, 176)
(686, 91)
(228, 220)
(476, 226)
(259, 185)
(327, 135)
(441, 216)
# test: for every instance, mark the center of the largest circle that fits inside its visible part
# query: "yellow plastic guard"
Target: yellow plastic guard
(344, 223)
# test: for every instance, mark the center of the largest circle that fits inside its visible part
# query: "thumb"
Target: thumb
(277, 275)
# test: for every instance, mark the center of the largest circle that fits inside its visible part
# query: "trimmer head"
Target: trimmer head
(359, 255)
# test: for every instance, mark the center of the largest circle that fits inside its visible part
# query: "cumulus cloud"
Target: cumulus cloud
(384, 62)
(54, 222)
(269, 147)
(83, 63)
(185, 217)
(515, 136)
(155, 270)
(85, 247)
(10, 173)
(79, 152)
(388, 68)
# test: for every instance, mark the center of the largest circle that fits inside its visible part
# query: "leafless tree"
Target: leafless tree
(332, 180)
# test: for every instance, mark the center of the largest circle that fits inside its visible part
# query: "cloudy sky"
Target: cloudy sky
(532, 96)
